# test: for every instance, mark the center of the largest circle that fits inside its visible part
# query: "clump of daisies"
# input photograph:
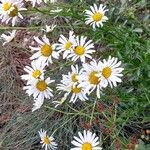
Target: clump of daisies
(37, 84)
(75, 47)
(71, 86)
(91, 76)
(87, 75)
(76, 85)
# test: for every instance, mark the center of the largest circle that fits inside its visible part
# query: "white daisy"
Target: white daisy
(14, 12)
(111, 71)
(70, 85)
(82, 49)
(76, 91)
(36, 71)
(47, 141)
(37, 104)
(86, 141)
(66, 44)
(49, 29)
(72, 77)
(91, 79)
(40, 89)
(5, 7)
(96, 16)
(45, 51)
(8, 38)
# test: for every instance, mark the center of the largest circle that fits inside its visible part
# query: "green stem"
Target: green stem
(20, 28)
(93, 112)
(63, 124)
(106, 116)
(78, 111)
(54, 109)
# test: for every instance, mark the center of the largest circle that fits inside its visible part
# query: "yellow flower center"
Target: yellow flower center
(93, 79)
(76, 90)
(41, 85)
(107, 72)
(68, 45)
(86, 146)
(97, 16)
(36, 74)
(46, 140)
(46, 50)
(79, 50)
(74, 78)
(14, 12)
(6, 6)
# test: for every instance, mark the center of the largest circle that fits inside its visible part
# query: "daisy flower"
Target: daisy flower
(86, 141)
(47, 141)
(49, 29)
(96, 16)
(91, 79)
(76, 91)
(8, 38)
(45, 51)
(36, 71)
(69, 84)
(72, 77)
(14, 11)
(66, 44)
(5, 7)
(40, 89)
(111, 71)
(82, 49)
(37, 104)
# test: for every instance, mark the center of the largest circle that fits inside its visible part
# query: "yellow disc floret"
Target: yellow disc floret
(86, 146)
(97, 16)
(6, 6)
(74, 78)
(79, 50)
(93, 79)
(68, 45)
(46, 140)
(46, 50)
(106, 72)
(76, 90)
(41, 85)
(36, 74)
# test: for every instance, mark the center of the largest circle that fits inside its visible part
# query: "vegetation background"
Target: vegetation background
(121, 117)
